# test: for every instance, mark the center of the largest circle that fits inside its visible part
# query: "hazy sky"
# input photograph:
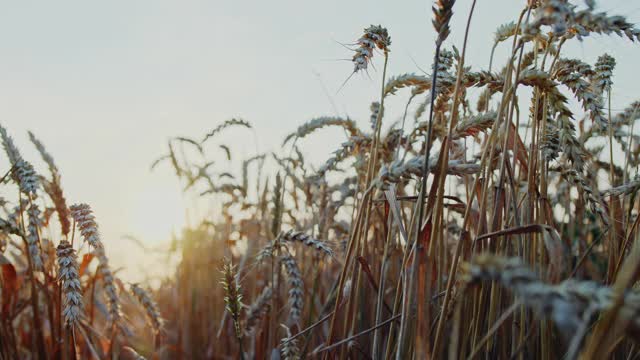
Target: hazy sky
(105, 84)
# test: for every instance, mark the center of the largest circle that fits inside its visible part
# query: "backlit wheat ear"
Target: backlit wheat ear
(550, 145)
(224, 125)
(70, 283)
(86, 222)
(258, 309)
(54, 190)
(150, 306)
(346, 150)
(444, 79)
(296, 286)
(566, 302)
(9, 146)
(442, 12)
(26, 177)
(586, 21)
(233, 296)
(375, 36)
(48, 159)
(539, 78)
(33, 236)
(375, 111)
(554, 13)
(108, 284)
(594, 202)
(399, 171)
(572, 73)
(419, 83)
(505, 31)
(603, 73)
(318, 123)
(289, 347)
(346, 190)
(293, 236)
(491, 80)
(21, 170)
(53, 187)
(510, 272)
(571, 146)
(265, 253)
(475, 125)
(624, 189)
(15, 216)
(10, 227)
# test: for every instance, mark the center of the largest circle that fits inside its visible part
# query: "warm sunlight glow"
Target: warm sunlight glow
(156, 214)
(302, 180)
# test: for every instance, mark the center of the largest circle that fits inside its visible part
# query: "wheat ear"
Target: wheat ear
(150, 306)
(70, 283)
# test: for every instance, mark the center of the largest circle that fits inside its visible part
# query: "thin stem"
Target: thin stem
(443, 173)
(411, 285)
(363, 210)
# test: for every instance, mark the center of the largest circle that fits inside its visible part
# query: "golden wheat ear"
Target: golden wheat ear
(54, 189)
(442, 13)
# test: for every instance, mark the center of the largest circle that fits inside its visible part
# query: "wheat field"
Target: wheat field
(494, 220)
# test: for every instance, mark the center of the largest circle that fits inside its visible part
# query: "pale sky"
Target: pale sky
(105, 84)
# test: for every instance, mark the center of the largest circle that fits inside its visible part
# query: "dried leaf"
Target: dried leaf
(10, 286)
(86, 259)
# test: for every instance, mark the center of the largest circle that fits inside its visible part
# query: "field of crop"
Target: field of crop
(496, 224)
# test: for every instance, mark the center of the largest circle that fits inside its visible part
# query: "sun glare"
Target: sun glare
(177, 182)
(155, 214)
